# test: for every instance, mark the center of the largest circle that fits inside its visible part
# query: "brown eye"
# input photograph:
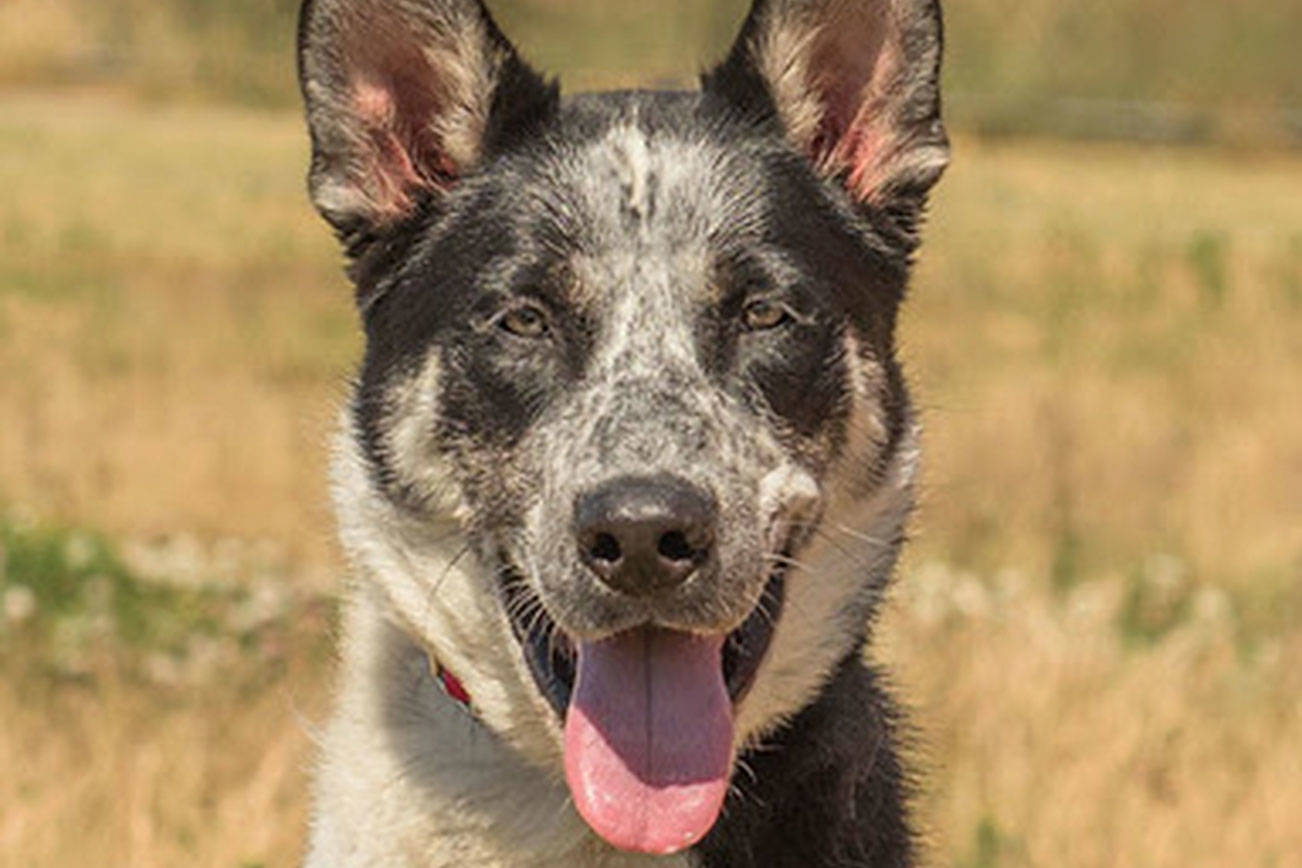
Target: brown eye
(761, 315)
(526, 322)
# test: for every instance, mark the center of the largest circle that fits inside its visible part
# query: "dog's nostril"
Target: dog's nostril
(606, 548)
(645, 535)
(674, 546)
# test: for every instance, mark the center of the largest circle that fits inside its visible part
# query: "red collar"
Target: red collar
(451, 684)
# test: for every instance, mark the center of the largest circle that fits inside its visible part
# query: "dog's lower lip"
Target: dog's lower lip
(746, 646)
(551, 656)
(547, 650)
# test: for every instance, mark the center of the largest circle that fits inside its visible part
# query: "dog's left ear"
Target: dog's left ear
(855, 85)
(403, 97)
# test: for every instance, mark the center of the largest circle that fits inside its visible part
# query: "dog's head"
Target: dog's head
(629, 438)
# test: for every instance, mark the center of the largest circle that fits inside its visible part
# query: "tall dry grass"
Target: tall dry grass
(174, 320)
(109, 768)
(1098, 620)
(1007, 61)
(1050, 739)
(1108, 343)
(111, 772)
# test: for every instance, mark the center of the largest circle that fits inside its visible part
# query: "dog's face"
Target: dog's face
(653, 317)
(634, 354)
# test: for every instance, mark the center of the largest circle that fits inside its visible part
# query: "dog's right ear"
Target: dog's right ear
(403, 97)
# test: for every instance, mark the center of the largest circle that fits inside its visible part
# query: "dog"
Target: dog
(629, 459)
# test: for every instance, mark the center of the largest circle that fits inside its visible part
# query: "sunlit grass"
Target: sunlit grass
(1055, 735)
(1107, 340)
(178, 316)
(150, 722)
(1202, 68)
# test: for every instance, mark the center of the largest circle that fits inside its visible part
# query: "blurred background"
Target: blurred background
(1098, 623)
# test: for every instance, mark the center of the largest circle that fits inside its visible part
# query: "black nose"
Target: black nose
(645, 535)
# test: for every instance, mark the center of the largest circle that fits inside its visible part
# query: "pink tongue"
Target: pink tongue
(648, 738)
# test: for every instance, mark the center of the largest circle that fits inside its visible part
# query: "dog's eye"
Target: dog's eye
(526, 321)
(762, 314)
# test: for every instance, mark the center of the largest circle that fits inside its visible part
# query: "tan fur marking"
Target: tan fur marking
(783, 50)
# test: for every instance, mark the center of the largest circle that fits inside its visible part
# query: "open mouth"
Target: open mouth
(648, 716)
(552, 657)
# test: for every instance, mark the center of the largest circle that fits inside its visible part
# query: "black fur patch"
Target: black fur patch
(827, 791)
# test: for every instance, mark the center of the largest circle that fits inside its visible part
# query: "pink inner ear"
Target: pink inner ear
(392, 174)
(396, 102)
(373, 105)
(853, 72)
(868, 149)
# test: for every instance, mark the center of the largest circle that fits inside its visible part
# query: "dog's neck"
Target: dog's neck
(407, 769)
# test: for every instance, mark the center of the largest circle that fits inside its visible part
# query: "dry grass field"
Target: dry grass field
(1099, 623)
(1007, 61)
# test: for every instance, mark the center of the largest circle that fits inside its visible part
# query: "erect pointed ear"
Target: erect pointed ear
(855, 85)
(403, 96)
